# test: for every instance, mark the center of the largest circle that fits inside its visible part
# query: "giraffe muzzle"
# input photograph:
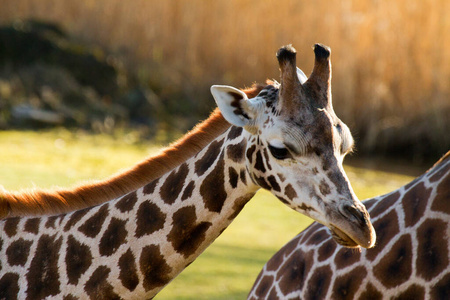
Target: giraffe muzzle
(352, 227)
(354, 214)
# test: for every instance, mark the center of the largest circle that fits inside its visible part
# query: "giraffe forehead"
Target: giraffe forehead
(309, 130)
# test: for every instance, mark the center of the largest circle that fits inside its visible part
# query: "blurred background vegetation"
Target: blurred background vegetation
(141, 70)
(146, 64)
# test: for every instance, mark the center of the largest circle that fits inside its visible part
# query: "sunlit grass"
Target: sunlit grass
(227, 269)
(63, 158)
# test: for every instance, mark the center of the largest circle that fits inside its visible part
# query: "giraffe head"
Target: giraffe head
(296, 145)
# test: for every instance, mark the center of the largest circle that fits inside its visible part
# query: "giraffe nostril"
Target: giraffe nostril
(353, 213)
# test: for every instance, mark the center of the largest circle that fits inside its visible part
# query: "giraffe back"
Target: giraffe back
(410, 259)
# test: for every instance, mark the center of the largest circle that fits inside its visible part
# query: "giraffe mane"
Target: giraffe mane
(444, 157)
(40, 202)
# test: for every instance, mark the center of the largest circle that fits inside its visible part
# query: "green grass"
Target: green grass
(63, 158)
(228, 268)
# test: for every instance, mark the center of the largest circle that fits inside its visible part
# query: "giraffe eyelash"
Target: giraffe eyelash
(279, 153)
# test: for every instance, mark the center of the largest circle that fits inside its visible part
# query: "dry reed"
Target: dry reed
(391, 64)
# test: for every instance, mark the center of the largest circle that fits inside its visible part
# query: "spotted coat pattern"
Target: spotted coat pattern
(132, 246)
(410, 260)
(128, 248)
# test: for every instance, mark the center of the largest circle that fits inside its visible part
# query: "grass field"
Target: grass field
(227, 269)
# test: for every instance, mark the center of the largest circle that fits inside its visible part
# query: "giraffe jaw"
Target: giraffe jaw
(346, 240)
(343, 239)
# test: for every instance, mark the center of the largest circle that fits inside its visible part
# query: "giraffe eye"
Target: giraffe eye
(280, 153)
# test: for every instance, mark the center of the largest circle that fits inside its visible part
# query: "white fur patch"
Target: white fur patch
(301, 76)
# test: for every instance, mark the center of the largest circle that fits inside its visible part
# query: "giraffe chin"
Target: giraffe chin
(343, 239)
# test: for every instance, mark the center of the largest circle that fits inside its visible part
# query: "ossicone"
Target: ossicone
(319, 83)
(286, 54)
(291, 88)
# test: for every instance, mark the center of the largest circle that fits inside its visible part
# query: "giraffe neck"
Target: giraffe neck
(198, 200)
(134, 245)
(45, 202)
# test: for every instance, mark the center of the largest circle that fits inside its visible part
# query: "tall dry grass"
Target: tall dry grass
(391, 59)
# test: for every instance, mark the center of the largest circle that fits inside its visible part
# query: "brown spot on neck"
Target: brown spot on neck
(414, 203)
(386, 228)
(9, 286)
(441, 289)
(17, 252)
(150, 219)
(188, 191)
(212, 189)
(264, 284)
(98, 287)
(94, 224)
(187, 233)
(384, 204)
(395, 267)
(114, 236)
(207, 160)
(236, 152)
(371, 293)
(43, 274)
(74, 218)
(127, 202)
(348, 284)
(128, 272)
(414, 291)
(433, 256)
(234, 132)
(154, 268)
(150, 188)
(294, 272)
(78, 259)
(32, 225)
(346, 257)
(318, 237)
(10, 227)
(319, 283)
(440, 202)
(173, 184)
(326, 250)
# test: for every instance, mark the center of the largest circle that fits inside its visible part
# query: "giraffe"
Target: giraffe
(410, 261)
(286, 139)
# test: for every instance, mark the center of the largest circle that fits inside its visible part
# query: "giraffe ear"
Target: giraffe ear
(233, 104)
(301, 76)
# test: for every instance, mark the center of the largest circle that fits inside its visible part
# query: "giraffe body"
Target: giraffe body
(286, 139)
(410, 260)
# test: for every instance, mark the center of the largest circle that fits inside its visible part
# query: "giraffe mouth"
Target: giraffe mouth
(342, 238)
(351, 227)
